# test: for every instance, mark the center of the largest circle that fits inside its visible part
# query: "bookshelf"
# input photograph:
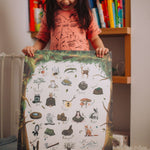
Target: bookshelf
(126, 32)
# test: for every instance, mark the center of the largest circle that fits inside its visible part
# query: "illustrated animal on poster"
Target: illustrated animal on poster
(36, 130)
(94, 115)
(84, 71)
(88, 131)
(49, 119)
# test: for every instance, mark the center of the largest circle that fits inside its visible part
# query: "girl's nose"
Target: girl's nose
(66, 2)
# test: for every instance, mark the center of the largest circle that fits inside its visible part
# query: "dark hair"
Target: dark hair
(82, 8)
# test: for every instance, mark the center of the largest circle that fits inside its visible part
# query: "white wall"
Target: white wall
(140, 60)
(13, 25)
(14, 36)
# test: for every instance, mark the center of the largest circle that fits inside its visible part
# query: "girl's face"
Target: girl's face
(66, 4)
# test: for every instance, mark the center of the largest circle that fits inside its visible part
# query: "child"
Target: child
(68, 24)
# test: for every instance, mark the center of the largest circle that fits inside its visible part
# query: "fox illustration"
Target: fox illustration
(88, 132)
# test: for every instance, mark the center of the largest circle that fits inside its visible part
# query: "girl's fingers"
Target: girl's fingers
(32, 52)
(29, 51)
(24, 51)
(100, 52)
(106, 50)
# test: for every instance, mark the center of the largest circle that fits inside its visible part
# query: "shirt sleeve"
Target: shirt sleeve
(93, 29)
(44, 32)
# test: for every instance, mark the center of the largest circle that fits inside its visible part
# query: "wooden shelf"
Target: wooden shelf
(116, 31)
(121, 79)
(122, 132)
(106, 31)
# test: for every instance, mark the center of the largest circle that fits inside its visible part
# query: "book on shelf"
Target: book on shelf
(123, 13)
(120, 12)
(111, 12)
(94, 10)
(105, 12)
(35, 14)
(96, 16)
(92, 3)
(116, 13)
(31, 16)
(101, 14)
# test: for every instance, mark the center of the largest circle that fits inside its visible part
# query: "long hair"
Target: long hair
(82, 8)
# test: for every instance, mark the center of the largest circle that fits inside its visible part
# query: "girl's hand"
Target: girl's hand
(100, 52)
(29, 51)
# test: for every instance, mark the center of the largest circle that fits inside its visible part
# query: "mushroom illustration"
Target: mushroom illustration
(85, 101)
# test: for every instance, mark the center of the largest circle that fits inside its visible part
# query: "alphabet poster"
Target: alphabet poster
(66, 102)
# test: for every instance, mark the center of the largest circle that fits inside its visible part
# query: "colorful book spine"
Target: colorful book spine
(31, 16)
(116, 13)
(124, 13)
(92, 3)
(96, 16)
(110, 12)
(105, 10)
(120, 13)
(101, 15)
(35, 14)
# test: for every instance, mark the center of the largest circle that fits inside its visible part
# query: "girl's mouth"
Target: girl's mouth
(66, 6)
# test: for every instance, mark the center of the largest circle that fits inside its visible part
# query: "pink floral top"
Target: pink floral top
(67, 34)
